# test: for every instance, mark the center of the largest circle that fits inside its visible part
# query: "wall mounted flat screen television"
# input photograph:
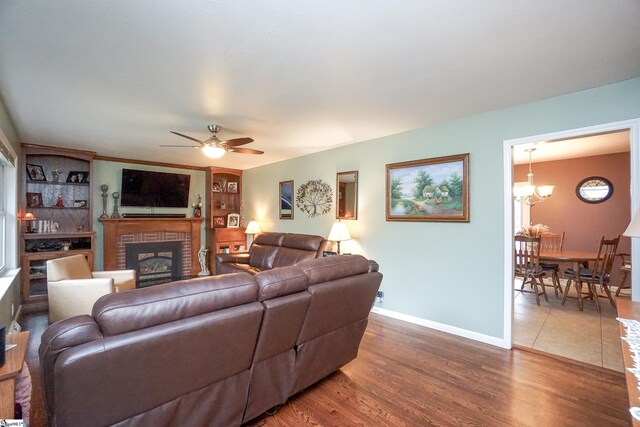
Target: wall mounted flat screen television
(154, 189)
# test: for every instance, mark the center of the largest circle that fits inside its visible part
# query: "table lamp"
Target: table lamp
(339, 232)
(30, 219)
(252, 228)
(633, 230)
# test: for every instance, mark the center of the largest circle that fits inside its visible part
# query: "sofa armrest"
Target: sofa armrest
(68, 298)
(68, 333)
(56, 339)
(123, 280)
(238, 257)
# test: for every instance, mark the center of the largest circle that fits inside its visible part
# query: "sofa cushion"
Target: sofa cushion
(305, 242)
(129, 311)
(287, 256)
(279, 282)
(269, 239)
(262, 256)
(334, 267)
(232, 267)
(71, 267)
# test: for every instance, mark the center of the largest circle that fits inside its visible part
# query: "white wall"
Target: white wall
(450, 273)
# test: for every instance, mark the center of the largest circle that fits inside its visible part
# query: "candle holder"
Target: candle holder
(115, 213)
(105, 198)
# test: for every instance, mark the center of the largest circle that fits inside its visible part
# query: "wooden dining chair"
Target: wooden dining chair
(626, 269)
(552, 242)
(598, 275)
(527, 264)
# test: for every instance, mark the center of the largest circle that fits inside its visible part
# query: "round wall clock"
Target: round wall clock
(594, 189)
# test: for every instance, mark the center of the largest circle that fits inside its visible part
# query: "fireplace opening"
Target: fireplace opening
(154, 262)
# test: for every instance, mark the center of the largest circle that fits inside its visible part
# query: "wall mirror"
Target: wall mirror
(286, 199)
(594, 189)
(347, 195)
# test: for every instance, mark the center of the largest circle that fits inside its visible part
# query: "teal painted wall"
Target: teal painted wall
(444, 272)
(110, 173)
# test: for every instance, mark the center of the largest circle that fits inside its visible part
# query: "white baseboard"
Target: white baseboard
(487, 339)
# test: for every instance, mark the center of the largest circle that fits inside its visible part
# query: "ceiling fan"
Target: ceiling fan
(214, 147)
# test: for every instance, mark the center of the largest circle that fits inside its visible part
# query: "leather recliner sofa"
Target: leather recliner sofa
(211, 351)
(272, 250)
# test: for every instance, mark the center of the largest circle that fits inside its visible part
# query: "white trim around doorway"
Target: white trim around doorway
(634, 127)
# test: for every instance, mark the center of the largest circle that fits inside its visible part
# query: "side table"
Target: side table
(8, 373)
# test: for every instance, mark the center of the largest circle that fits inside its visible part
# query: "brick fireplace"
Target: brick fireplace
(120, 232)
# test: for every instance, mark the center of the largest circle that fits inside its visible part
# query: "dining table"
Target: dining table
(576, 258)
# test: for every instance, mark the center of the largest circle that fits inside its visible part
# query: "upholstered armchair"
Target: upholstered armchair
(73, 288)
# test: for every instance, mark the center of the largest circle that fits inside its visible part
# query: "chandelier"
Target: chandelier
(530, 194)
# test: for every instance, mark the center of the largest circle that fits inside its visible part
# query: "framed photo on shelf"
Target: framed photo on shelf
(429, 190)
(219, 221)
(232, 187)
(286, 199)
(216, 187)
(78, 176)
(34, 200)
(36, 173)
(233, 220)
(79, 203)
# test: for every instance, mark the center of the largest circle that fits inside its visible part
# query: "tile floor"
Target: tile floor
(587, 336)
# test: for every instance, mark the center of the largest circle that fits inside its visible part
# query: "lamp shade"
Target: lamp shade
(253, 227)
(339, 232)
(633, 230)
(545, 190)
(29, 217)
(522, 189)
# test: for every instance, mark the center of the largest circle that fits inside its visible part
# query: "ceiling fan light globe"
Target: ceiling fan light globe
(212, 151)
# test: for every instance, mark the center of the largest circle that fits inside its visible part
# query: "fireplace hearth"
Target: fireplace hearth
(154, 262)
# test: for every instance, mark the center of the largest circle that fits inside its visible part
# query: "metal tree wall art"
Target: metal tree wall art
(314, 197)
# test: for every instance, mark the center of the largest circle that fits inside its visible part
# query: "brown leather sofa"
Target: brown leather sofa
(272, 250)
(211, 351)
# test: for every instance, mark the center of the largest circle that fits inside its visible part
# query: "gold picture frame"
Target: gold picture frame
(429, 190)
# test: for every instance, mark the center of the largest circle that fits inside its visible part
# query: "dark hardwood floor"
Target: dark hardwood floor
(407, 375)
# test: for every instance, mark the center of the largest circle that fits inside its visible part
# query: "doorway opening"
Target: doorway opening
(560, 159)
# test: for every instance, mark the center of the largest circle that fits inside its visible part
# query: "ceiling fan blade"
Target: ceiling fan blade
(245, 150)
(182, 146)
(186, 136)
(237, 141)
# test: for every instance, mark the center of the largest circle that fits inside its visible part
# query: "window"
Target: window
(8, 181)
(3, 217)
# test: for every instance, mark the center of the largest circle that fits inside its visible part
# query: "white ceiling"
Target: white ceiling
(297, 76)
(592, 145)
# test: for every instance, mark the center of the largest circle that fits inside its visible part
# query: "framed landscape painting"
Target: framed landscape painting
(434, 189)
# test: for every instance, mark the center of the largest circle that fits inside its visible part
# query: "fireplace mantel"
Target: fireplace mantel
(116, 229)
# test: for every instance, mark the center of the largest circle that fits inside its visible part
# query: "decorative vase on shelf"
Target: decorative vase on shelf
(197, 208)
(116, 213)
